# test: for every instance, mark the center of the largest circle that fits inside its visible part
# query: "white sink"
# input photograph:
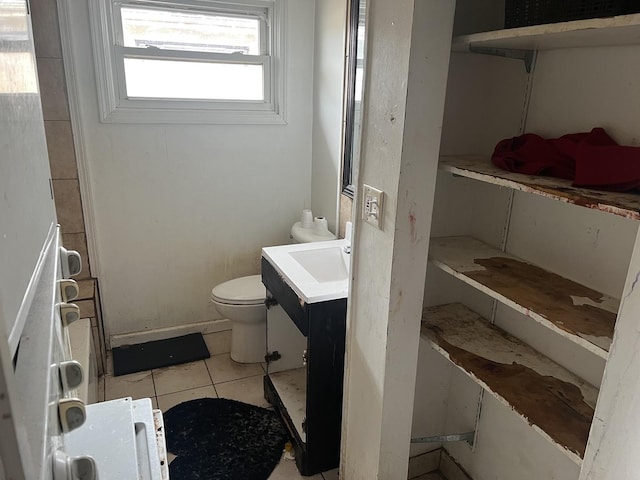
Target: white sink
(317, 272)
(323, 264)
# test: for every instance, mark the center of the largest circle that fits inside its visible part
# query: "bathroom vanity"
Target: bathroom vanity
(306, 315)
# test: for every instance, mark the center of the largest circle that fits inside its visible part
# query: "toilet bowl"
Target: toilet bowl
(241, 300)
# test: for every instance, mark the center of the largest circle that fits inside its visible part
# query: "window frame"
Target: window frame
(109, 54)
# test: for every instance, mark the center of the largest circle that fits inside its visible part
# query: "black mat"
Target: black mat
(157, 354)
(220, 439)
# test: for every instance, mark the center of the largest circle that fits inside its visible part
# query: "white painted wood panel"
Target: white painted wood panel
(497, 92)
(466, 207)
(570, 355)
(578, 89)
(408, 54)
(430, 397)
(292, 389)
(285, 338)
(620, 30)
(612, 452)
(508, 448)
(556, 403)
(624, 204)
(583, 245)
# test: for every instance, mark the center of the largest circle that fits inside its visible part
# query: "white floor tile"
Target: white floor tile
(223, 369)
(181, 377)
(331, 475)
(135, 385)
(165, 402)
(219, 342)
(287, 470)
(247, 390)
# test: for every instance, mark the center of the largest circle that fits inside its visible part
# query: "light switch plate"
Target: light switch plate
(373, 206)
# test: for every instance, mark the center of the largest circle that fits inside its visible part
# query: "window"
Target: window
(189, 61)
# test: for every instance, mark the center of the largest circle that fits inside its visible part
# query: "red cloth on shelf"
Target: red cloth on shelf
(591, 159)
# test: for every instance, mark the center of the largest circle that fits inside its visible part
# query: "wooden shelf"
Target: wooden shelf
(291, 386)
(555, 402)
(580, 314)
(478, 168)
(595, 32)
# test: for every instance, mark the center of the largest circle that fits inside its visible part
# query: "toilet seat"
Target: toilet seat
(240, 291)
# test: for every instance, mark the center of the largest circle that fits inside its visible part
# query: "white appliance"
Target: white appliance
(46, 432)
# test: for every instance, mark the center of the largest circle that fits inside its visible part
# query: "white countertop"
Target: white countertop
(306, 286)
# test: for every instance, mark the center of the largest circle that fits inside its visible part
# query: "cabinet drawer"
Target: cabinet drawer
(295, 307)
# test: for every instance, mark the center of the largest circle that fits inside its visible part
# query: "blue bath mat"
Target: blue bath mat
(158, 354)
(221, 439)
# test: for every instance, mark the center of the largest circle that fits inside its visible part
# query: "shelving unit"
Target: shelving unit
(556, 403)
(581, 314)
(478, 168)
(489, 100)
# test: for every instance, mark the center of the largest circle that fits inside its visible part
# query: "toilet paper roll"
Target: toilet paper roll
(320, 225)
(307, 219)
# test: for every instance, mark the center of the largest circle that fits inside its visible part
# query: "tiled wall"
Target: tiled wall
(62, 159)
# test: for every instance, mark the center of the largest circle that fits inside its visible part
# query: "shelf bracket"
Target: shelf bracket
(527, 56)
(456, 437)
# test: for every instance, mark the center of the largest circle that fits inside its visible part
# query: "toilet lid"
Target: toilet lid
(240, 291)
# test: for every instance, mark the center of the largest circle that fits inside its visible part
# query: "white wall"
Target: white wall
(329, 57)
(180, 208)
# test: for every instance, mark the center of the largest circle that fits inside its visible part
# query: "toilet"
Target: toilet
(241, 300)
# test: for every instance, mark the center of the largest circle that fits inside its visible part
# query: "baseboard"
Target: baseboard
(424, 463)
(450, 469)
(211, 326)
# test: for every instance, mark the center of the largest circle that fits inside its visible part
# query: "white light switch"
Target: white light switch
(373, 206)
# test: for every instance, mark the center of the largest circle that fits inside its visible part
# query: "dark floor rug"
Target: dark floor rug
(159, 353)
(220, 439)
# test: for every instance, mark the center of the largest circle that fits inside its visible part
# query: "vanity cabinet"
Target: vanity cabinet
(305, 370)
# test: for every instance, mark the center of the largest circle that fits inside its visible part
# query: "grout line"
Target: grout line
(209, 371)
(47, 57)
(153, 381)
(66, 178)
(241, 378)
(186, 390)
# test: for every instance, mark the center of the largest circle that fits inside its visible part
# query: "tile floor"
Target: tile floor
(217, 376)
